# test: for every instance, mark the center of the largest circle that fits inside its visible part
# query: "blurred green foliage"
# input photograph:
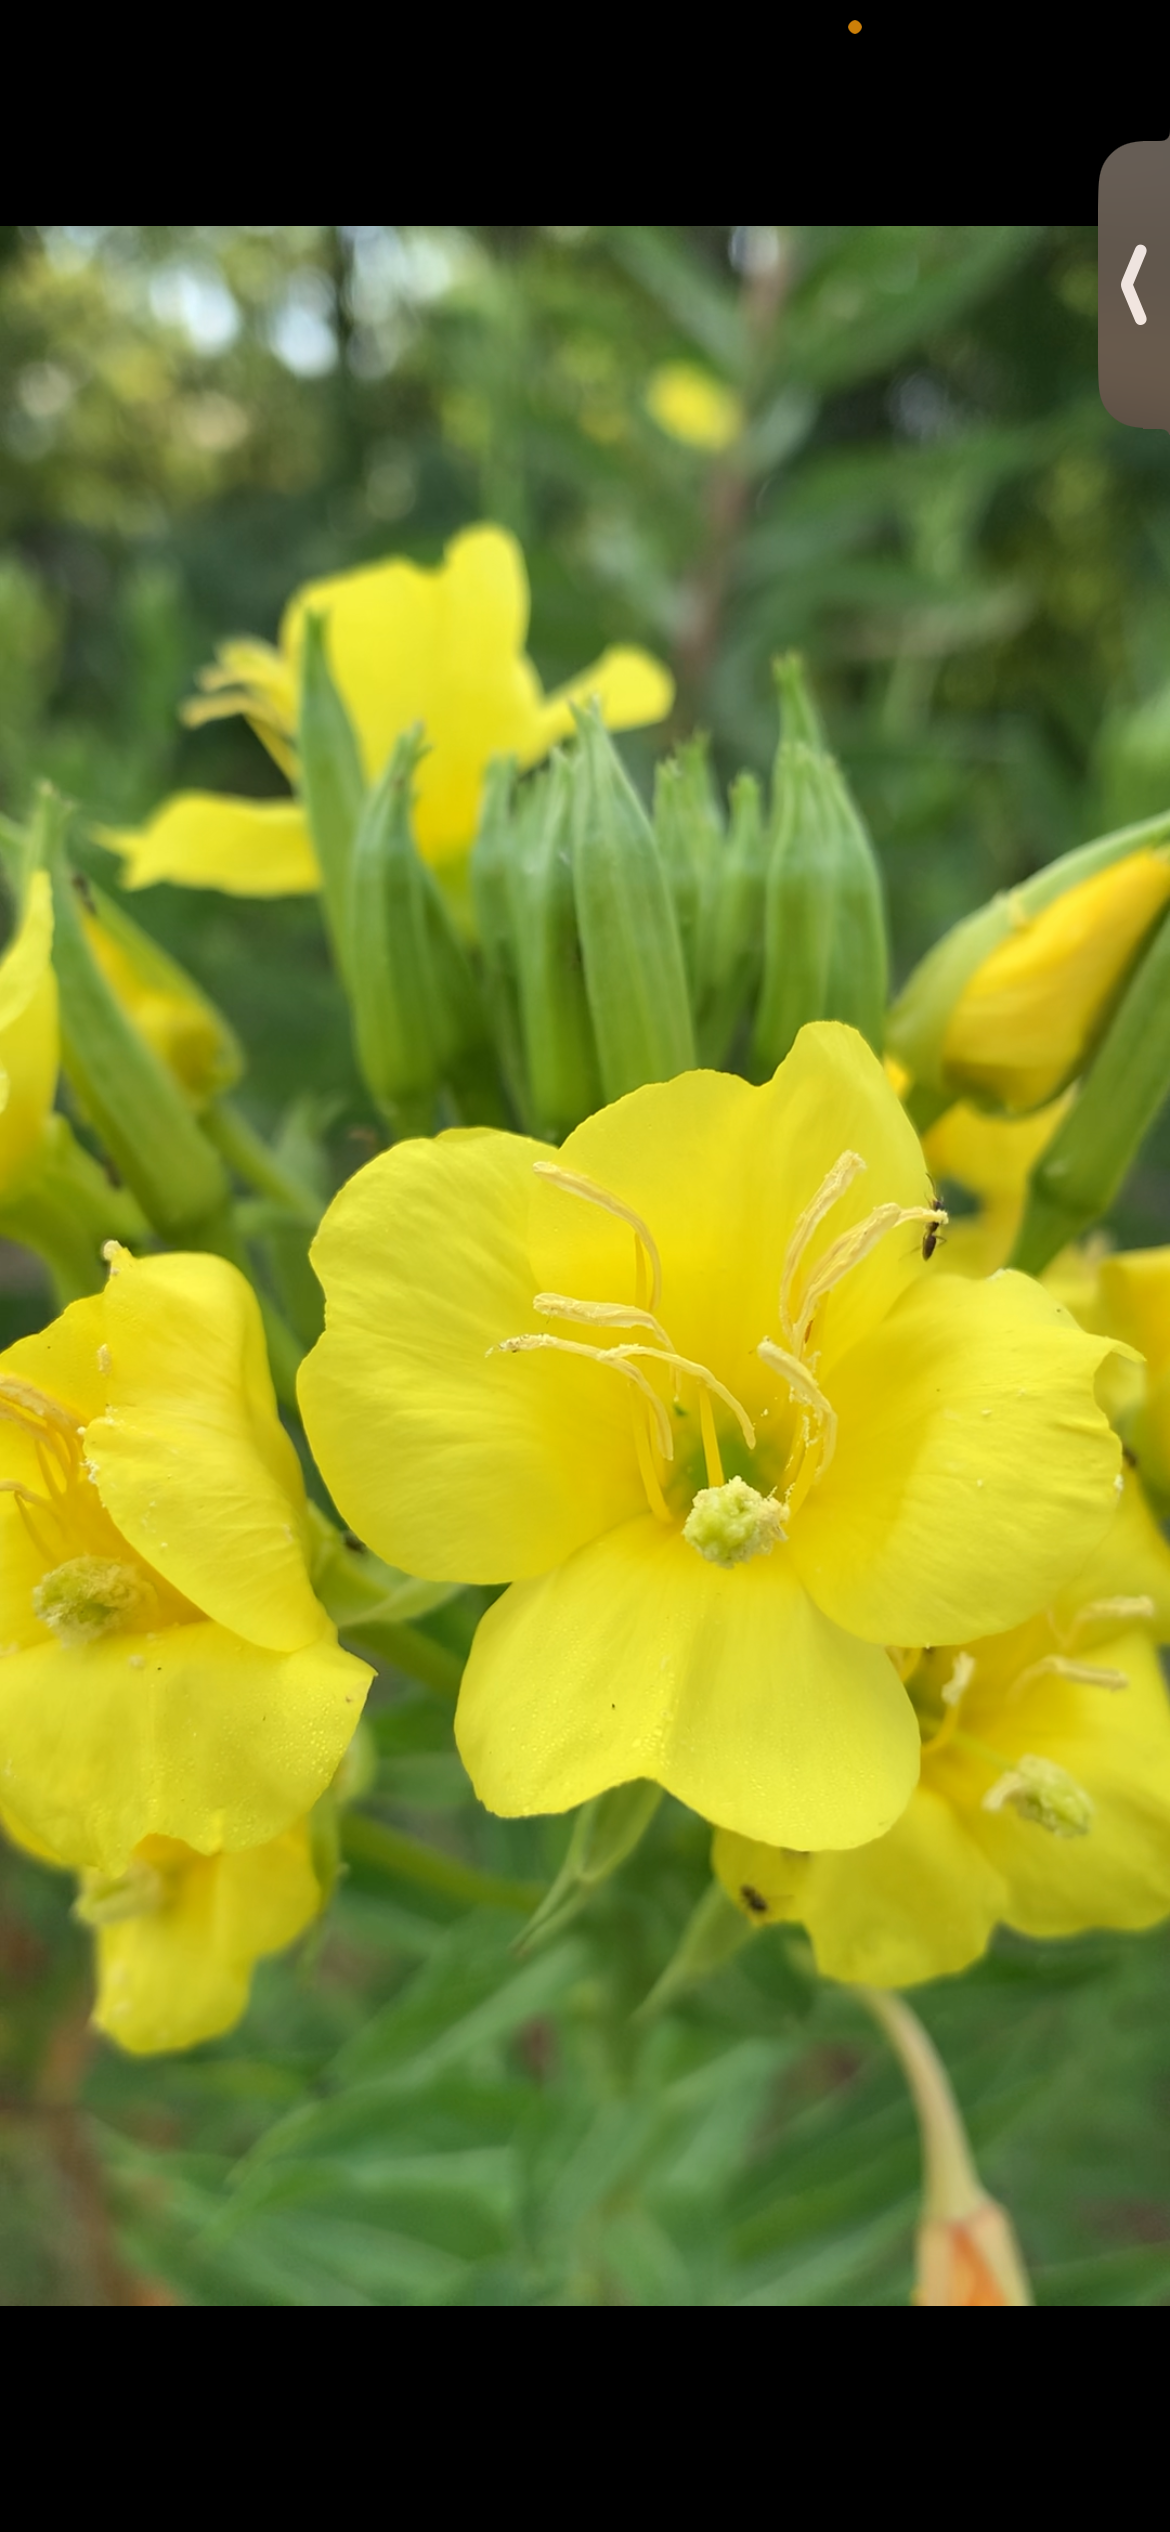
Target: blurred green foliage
(929, 500)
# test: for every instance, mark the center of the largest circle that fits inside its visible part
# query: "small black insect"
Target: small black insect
(930, 1239)
(753, 1899)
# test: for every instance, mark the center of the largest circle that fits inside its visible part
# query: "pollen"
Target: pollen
(730, 1523)
(89, 1597)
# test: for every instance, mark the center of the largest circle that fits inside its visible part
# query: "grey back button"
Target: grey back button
(1133, 276)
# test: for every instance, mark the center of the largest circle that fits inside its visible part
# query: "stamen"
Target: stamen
(699, 1371)
(615, 1356)
(802, 1385)
(1099, 1612)
(602, 1314)
(960, 1679)
(1056, 1665)
(572, 1184)
(848, 1251)
(841, 1176)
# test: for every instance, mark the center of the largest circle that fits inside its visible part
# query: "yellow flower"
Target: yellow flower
(179, 1934)
(1044, 1800)
(993, 1158)
(28, 1036)
(165, 1669)
(1026, 1021)
(444, 647)
(806, 1444)
(689, 405)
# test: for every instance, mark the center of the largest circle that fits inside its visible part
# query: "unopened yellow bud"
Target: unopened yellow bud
(730, 1523)
(1027, 1020)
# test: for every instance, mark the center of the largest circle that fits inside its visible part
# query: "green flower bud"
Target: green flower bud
(605, 1831)
(564, 1083)
(332, 780)
(737, 923)
(492, 888)
(825, 952)
(415, 1009)
(635, 976)
(689, 828)
(133, 1100)
(1081, 1170)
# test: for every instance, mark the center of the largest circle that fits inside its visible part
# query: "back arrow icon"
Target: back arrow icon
(1132, 300)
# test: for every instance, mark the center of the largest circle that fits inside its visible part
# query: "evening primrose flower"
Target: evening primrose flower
(179, 1934)
(689, 405)
(1029, 1017)
(1044, 1799)
(694, 1389)
(444, 647)
(165, 1668)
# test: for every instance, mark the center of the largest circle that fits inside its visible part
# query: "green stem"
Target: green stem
(253, 1160)
(408, 1649)
(368, 1841)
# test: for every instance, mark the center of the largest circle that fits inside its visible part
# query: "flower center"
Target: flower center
(1045, 1794)
(729, 1520)
(92, 1596)
(730, 1523)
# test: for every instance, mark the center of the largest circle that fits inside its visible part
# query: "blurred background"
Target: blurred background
(881, 445)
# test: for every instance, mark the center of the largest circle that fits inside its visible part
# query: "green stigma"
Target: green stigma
(89, 1597)
(113, 1898)
(731, 1522)
(1046, 1795)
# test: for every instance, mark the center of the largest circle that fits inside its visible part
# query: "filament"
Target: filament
(572, 1184)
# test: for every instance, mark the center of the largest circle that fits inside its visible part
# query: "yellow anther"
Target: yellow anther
(1058, 1666)
(1122, 1612)
(960, 1679)
(615, 1357)
(601, 1314)
(572, 1184)
(803, 1386)
(834, 1184)
(848, 1251)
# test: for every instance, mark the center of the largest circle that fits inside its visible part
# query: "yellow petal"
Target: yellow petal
(452, 1460)
(190, 1458)
(200, 839)
(974, 1469)
(28, 1034)
(181, 1972)
(993, 1157)
(637, 1658)
(179, 1024)
(918, 1903)
(632, 688)
(1116, 1745)
(446, 647)
(1027, 1018)
(190, 1733)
